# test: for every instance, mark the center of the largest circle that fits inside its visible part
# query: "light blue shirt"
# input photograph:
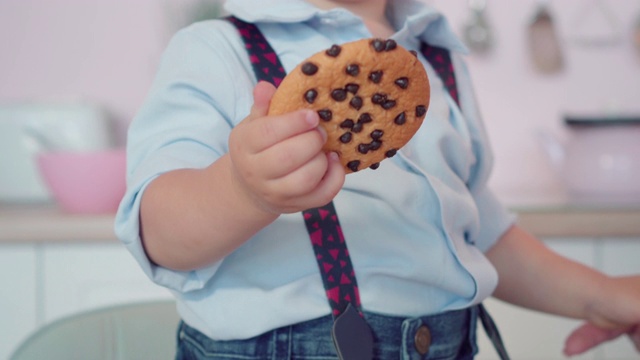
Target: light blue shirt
(416, 227)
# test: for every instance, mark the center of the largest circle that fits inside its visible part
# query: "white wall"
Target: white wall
(99, 51)
(517, 101)
(106, 51)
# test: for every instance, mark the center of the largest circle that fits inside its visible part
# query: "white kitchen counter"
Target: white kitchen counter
(45, 223)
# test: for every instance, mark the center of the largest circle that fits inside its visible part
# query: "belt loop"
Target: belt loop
(281, 343)
(273, 346)
(404, 349)
(290, 342)
(473, 329)
(409, 328)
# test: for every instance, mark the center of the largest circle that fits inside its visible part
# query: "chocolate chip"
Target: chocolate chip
(378, 98)
(325, 114)
(347, 124)
(400, 119)
(364, 148)
(402, 82)
(346, 137)
(365, 118)
(375, 145)
(376, 76)
(356, 102)
(353, 69)
(352, 88)
(378, 45)
(334, 51)
(310, 96)
(357, 127)
(414, 53)
(353, 165)
(389, 104)
(374, 166)
(390, 45)
(309, 68)
(376, 134)
(339, 94)
(391, 153)
(421, 110)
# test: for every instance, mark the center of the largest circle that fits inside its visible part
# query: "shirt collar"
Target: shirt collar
(273, 11)
(412, 17)
(416, 19)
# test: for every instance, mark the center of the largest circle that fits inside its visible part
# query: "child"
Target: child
(216, 187)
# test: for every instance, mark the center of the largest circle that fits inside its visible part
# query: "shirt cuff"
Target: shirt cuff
(127, 229)
(495, 219)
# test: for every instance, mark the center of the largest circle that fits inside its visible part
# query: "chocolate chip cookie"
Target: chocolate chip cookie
(371, 95)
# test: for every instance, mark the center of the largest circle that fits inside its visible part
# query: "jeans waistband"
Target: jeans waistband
(444, 336)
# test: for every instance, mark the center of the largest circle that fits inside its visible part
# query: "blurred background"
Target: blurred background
(527, 82)
(558, 83)
(104, 53)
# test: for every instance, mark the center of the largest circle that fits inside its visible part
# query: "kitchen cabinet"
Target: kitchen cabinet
(46, 281)
(53, 265)
(79, 277)
(18, 294)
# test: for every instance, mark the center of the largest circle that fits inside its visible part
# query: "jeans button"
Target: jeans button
(423, 340)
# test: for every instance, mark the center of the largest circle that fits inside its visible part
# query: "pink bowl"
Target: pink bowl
(91, 182)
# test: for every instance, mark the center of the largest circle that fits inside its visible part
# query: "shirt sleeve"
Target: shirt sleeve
(184, 123)
(494, 218)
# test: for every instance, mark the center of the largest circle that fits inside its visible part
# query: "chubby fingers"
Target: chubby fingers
(314, 184)
(294, 152)
(268, 131)
(326, 186)
(265, 131)
(588, 336)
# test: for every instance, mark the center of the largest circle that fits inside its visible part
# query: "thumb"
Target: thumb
(262, 94)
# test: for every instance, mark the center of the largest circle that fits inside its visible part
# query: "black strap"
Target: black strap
(491, 329)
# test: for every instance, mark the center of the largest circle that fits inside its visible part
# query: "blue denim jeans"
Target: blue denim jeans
(453, 337)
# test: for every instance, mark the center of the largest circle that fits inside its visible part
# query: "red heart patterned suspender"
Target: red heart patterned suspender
(351, 334)
(322, 223)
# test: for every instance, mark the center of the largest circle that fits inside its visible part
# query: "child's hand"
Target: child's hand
(278, 160)
(617, 314)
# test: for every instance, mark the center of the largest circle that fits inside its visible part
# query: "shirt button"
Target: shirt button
(423, 340)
